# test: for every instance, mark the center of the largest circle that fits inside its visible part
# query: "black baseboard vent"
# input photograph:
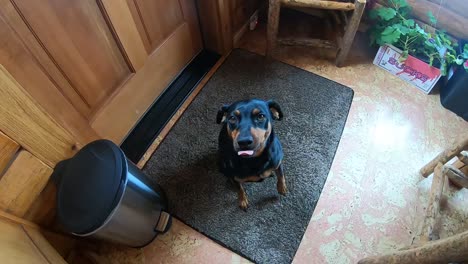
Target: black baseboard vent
(149, 127)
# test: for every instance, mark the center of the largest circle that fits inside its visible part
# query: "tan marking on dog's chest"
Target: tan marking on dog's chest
(256, 178)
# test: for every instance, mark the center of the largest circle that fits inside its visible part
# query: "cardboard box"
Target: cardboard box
(412, 70)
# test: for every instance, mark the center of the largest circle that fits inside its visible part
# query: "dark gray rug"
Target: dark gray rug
(185, 164)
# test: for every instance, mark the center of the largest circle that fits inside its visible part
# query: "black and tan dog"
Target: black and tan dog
(249, 151)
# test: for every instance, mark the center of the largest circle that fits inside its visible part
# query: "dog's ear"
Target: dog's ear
(275, 110)
(222, 114)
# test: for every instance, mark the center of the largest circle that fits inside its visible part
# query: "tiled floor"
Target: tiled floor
(373, 200)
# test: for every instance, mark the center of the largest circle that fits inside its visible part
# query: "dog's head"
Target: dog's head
(249, 124)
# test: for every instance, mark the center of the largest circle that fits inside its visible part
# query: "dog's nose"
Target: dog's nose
(245, 142)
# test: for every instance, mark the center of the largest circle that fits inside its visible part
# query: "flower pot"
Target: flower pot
(454, 95)
(412, 70)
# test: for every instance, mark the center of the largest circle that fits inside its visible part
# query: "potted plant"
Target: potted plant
(407, 49)
(454, 94)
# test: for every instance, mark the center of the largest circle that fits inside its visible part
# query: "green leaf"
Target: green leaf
(386, 13)
(403, 30)
(459, 61)
(389, 36)
(432, 18)
(409, 23)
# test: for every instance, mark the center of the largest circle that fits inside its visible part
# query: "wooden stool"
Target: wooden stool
(451, 249)
(343, 43)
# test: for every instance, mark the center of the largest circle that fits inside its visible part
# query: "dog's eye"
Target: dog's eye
(232, 119)
(261, 117)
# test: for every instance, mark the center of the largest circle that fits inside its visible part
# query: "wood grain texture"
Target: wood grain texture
(43, 209)
(49, 253)
(4, 216)
(8, 149)
(18, 57)
(22, 183)
(444, 156)
(216, 26)
(44, 60)
(122, 21)
(77, 37)
(159, 19)
(26, 123)
(320, 4)
(448, 250)
(318, 43)
(190, 13)
(274, 9)
(17, 247)
(123, 110)
(428, 232)
(170, 124)
(350, 33)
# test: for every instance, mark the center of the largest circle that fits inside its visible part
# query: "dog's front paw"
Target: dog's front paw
(243, 204)
(282, 189)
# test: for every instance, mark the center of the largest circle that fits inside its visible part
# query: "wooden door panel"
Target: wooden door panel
(77, 37)
(119, 115)
(23, 64)
(157, 18)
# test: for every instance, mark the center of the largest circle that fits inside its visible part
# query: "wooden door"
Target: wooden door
(95, 66)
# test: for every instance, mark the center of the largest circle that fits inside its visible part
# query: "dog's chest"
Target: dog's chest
(255, 178)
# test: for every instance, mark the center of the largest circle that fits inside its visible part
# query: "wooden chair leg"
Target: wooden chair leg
(272, 28)
(350, 32)
(443, 157)
(427, 232)
(447, 250)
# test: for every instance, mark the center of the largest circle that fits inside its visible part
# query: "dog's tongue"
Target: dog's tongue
(245, 153)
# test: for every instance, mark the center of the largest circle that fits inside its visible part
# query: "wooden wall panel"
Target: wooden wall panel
(77, 37)
(216, 26)
(22, 183)
(16, 247)
(8, 149)
(157, 18)
(27, 124)
(43, 210)
(44, 246)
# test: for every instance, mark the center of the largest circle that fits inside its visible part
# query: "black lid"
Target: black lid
(91, 186)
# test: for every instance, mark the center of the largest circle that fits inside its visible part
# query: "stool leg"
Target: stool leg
(432, 211)
(350, 32)
(272, 29)
(444, 156)
(448, 250)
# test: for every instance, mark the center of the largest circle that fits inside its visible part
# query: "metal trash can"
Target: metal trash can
(103, 195)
